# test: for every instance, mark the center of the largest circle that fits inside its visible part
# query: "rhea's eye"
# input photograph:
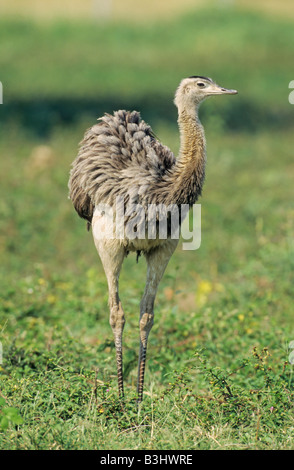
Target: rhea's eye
(201, 84)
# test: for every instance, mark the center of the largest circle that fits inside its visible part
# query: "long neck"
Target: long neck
(188, 174)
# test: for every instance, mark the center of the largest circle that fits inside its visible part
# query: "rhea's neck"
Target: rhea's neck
(189, 171)
(192, 138)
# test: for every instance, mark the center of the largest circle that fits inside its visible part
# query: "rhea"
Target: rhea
(121, 159)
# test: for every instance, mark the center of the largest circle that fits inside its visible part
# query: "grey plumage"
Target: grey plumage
(120, 156)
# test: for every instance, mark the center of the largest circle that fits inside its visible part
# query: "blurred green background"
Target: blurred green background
(62, 65)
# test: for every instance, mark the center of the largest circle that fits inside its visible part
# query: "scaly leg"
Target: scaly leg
(157, 260)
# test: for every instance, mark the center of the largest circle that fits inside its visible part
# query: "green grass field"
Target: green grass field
(218, 372)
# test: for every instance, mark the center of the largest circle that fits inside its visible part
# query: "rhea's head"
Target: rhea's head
(193, 90)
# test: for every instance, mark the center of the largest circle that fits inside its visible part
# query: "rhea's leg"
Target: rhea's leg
(117, 322)
(157, 260)
(112, 256)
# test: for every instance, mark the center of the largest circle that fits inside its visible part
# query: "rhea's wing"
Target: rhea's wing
(119, 156)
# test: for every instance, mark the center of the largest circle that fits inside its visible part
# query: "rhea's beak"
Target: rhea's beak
(224, 91)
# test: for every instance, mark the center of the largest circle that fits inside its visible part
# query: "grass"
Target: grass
(119, 60)
(218, 373)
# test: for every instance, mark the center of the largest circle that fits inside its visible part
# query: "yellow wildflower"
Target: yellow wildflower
(203, 289)
(51, 299)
